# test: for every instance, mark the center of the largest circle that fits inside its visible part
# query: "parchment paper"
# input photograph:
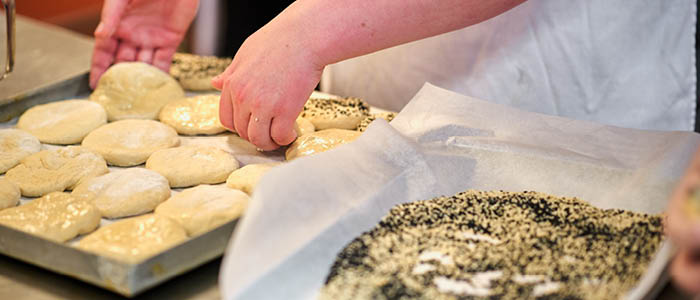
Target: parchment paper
(441, 143)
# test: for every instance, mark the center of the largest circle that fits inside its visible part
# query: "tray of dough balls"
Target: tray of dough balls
(138, 182)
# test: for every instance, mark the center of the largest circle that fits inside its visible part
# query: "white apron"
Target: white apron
(624, 63)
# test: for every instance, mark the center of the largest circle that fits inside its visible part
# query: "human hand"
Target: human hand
(140, 30)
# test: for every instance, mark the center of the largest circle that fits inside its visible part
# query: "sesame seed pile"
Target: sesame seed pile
(388, 116)
(332, 108)
(187, 66)
(497, 245)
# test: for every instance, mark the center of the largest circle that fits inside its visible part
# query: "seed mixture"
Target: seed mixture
(333, 108)
(497, 245)
(388, 116)
(188, 67)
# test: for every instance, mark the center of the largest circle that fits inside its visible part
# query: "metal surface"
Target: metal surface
(10, 37)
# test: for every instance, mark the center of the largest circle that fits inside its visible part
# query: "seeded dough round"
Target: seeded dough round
(335, 113)
(56, 170)
(247, 177)
(204, 207)
(303, 126)
(124, 193)
(63, 122)
(192, 165)
(320, 141)
(134, 239)
(9, 194)
(193, 115)
(130, 142)
(195, 72)
(15, 145)
(135, 90)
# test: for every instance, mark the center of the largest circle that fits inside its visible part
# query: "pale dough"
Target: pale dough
(192, 165)
(134, 239)
(9, 194)
(57, 216)
(247, 177)
(130, 142)
(204, 207)
(303, 126)
(320, 141)
(64, 122)
(56, 170)
(195, 72)
(193, 115)
(135, 90)
(124, 193)
(335, 113)
(15, 145)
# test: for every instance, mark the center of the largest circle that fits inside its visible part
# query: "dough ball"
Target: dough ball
(15, 145)
(56, 170)
(247, 177)
(64, 122)
(335, 113)
(130, 142)
(192, 165)
(135, 90)
(303, 126)
(193, 115)
(134, 239)
(388, 116)
(9, 194)
(124, 193)
(320, 141)
(204, 207)
(195, 72)
(57, 216)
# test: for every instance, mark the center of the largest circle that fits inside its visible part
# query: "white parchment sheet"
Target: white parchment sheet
(441, 143)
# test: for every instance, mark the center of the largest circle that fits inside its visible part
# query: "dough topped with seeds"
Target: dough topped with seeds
(56, 170)
(320, 141)
(247, 177)
(335, 113)
(15, 145)
(63, 122)
(135, 90)
(195, 72)
(193, 115)
(130, 142)
(9, 194)
(388, 116)
(192, 165)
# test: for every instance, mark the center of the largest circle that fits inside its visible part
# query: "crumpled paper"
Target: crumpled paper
(303, 213)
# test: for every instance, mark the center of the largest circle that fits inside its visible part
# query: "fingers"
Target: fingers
(126, 52)
(145, 55)
(102, 57)
(218, 81)
(282, 130)
(241, 118)
(112, 12)
(162, 58)
(259, 133)
(685, 270)
(226, 111)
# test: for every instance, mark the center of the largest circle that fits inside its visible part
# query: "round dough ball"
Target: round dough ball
(320, 141)
(204, 207)
(15, 145)
(130, 142)
(194, 115)
(9, 194)
(134, 239)
(247, 177)
(335, 113)
(64, 122)
(195, 72)
(192, 165)
(135, 90)
(56, 170)
(124, 193)
(303, 126)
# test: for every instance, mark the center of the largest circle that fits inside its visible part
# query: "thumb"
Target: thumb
(112, 12)
(282, 130)
(218, 81)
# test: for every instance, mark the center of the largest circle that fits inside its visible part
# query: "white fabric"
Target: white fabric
(623, 63)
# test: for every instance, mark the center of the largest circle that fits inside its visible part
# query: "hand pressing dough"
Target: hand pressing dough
(204, 207)
(134, 239)
(193, 115)
(303, 126)
(56, 170)
(57, 216)
(335, 113)
(388, 116)
(247, 177)
(195, 72)
(15, 145)
(320, 141)
(135, 90)
(64, 122)
(9, 194)
(130, 142)
(124, 193)
(192, 165)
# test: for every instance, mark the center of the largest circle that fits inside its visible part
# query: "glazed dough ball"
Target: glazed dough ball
(195, 72)
(130, 142)
(124, 193)
(204, 207)
(56, 170)
(335, 113)
(63, 122)
(303, 126)
(15, 145)
(9, 194)
(135, 90)
(193, 115)
(320, 141)
(57, 216)
(192, 165)
(247, 177)
(134, 239)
